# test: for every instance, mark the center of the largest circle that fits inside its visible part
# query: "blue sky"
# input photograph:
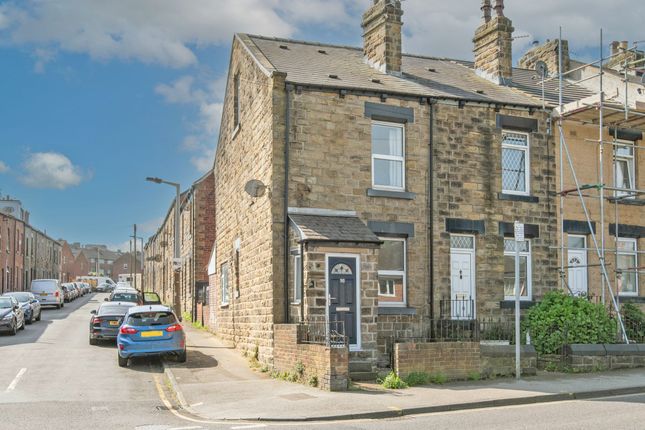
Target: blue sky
(95, 96)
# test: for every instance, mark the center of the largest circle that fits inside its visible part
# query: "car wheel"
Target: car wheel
(40, 313)
(93, 341)
(31, 318)
(123, 362)
(14, 328)
(22, 327)
(62, 305)
(181, 357)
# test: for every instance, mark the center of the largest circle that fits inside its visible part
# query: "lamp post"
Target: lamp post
(176, 259)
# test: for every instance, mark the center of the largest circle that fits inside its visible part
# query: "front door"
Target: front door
(577, 265)
(343, 296)
(462, 256)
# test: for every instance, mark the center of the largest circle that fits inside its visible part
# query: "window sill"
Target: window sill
(628, 202)
(510, 304)
(236, 131)
(295, 303)
(403, 195)
(518, 198)
(631, 299)
(396, 310)
(224, 306)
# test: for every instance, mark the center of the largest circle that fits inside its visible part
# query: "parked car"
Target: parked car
(68, 292)
(105, 321)
(123, 295)
(29, 304)
(48, 292)
(87, 287)
(103, 288)
(12, 318)
(77, 290)
(150, 331)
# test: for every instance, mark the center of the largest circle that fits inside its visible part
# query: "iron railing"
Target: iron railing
(457, 309)
(331, 334)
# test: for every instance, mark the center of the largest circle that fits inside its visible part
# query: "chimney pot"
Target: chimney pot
(486, 9)
(499, 7)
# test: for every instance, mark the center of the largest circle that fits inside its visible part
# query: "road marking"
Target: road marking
(13, 384)
(100, 409)
(196, 404)
(254, 426)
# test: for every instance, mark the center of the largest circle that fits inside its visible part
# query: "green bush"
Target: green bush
(417, 378)
(561, 319)
(634, 320)
(393, 382)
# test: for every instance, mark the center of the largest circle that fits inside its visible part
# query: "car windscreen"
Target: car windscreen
(125, 297)
(21, 297)
(113, 310)
(151, 318)
(6, 303)
(152, 298)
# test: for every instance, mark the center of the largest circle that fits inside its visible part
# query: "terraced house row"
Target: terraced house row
(372, 192)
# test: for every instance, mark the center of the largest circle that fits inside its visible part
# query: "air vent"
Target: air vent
(332, 76)
(432, 69)
(376, 81)
(284, 47)
(480, 91)
(322, 51)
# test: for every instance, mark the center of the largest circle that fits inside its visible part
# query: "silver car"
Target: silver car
(48, 292)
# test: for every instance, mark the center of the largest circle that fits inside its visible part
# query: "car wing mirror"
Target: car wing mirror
(106, 299)
(15, 308)
(93, 312)
(180, 318)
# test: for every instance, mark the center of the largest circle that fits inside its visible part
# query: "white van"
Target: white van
(48, 292)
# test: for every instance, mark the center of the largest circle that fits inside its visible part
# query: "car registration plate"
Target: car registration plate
(156, 333)
(114, 323)
(43, 294)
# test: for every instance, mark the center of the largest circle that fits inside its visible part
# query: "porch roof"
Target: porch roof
(332, 228)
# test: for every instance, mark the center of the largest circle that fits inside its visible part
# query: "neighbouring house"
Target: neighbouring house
(128, 264)
(100, 257)
(11, 253)
(375, 191)
(184, 285)
(613, 190)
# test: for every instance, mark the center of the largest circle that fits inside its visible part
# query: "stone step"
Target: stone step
(360, 366)
(363, 376)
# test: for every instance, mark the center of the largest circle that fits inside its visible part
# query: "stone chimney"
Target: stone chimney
(547, 52)
(493, 44)
(382, 35)
(620, 53)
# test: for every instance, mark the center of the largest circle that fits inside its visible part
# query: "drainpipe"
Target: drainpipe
(431, 211)
(302, 282)
(287, 125)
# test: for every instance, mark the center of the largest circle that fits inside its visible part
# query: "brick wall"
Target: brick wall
(499, 360)
(329, 365)
(456, 360)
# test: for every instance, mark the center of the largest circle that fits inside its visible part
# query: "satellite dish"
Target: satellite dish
(255, 188)
(542, 69)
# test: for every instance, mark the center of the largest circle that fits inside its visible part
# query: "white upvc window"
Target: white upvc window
(392, 277)
(297, 278)
(388, 156)
(525, 269)
(224, 284)
(624, 168)
(627, 267)
(516, 165)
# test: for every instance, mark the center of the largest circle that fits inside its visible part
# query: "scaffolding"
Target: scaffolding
(605, 112)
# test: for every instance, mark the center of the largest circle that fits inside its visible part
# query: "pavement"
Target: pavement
(217, 384)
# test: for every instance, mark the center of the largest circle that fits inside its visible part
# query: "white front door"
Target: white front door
(577, 265)
(462, 296)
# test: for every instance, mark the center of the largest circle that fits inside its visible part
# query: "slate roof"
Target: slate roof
(324, 228)
(334, 66)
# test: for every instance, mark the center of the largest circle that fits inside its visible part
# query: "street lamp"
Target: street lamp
(177, 260)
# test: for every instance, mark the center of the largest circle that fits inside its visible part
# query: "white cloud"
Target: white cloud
(180, 91)
(3, 167)
(50, 170)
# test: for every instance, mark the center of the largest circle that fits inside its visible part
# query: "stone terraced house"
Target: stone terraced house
(377, 190)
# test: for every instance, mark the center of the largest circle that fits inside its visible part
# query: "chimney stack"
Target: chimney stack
(549, 53)
(382, 36)
(493, 45)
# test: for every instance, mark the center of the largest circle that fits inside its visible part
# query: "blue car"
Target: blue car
(150, 330)
(29, 304)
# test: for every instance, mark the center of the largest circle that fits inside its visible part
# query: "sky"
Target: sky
(96, 95)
